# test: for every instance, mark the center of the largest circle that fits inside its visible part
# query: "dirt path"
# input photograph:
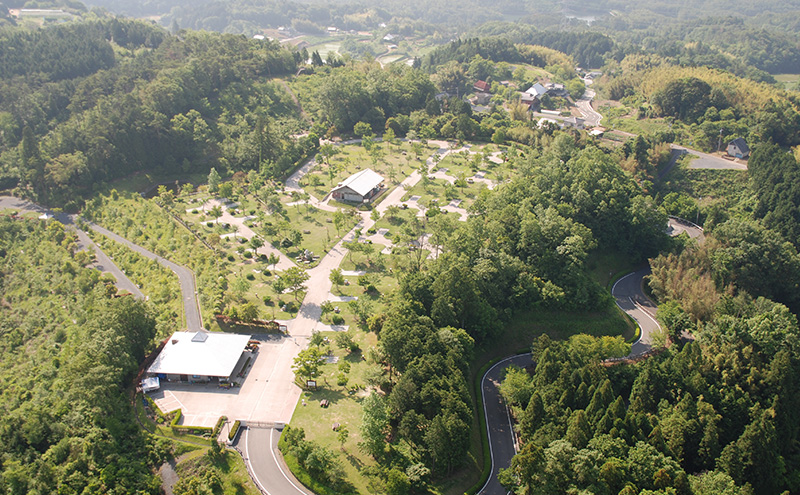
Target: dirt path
(295, 99)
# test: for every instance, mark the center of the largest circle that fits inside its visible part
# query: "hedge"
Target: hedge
(194, 430)
(234, 430)
(218, 427)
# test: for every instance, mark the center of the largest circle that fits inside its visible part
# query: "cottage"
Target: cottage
(527, 99)
(359, 188)
(482, 87)
(738, 148)
(199, 356)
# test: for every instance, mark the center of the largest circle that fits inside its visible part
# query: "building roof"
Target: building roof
(200, 353)
(537, 90)
(482, 86)
(741, 144)
(362, 182)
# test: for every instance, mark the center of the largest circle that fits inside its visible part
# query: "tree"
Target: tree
(342, 435)
(373, 425)
(307, 363)
(362, 129)
(338, 220)
(215, 212)
(375, 215)
(255, 243)
(273, 260)
(294, 279)
(336, 277)
(213, 181)
(248, 312)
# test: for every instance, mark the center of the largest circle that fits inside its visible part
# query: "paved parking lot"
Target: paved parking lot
(267, 393)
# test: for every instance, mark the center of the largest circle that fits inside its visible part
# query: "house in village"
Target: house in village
(738, 148)
(482, 98)
(574, 122)
(360, 187)
(482, 87)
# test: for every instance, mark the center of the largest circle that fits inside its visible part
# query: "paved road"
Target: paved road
(584, 104)
(102, 260)
(707, 161)
(502, 440)
(630, 297)
(191, 307)
(260, 450)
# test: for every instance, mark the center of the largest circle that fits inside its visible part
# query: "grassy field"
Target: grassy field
(791, 82)
(344, 408)
(394, 162)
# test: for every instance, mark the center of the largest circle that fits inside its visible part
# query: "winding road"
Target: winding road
(630, 297)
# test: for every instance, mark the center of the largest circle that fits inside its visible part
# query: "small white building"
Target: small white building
(537, 90)
(738, 148)
(199, 356)
(360, 187)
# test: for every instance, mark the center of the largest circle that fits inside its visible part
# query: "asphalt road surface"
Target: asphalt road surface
(259, 446)
(502, 441)
(191, 307)
(103, 261)
(630, 298)
(584, 104)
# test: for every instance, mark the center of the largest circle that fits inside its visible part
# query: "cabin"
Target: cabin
(360, 187)
(738, 149)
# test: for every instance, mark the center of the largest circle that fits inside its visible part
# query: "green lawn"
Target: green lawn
(344, 408)
(526, 326)
(394, 162)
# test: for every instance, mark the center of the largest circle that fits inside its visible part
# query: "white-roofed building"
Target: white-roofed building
(537, 90)
(199, 356)
(360, 187)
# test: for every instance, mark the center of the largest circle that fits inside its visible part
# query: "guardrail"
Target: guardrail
(686, 222)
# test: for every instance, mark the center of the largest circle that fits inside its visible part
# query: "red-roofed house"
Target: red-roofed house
(482, 87)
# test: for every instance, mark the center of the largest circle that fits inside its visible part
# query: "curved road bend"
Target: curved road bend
(102, 260)
(630, 297)
(191, 307)
(259, 446)
(502, 441)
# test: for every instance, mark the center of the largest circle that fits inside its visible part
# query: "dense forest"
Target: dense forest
(85, 103)
(70, 350)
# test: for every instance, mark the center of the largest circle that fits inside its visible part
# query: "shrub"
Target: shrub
(337, 319)
(231, 258)
(267, 273)
(218, 426)
(209, 224)
(176, 418)
(234, 430)
(248, 255)
(250, 276)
